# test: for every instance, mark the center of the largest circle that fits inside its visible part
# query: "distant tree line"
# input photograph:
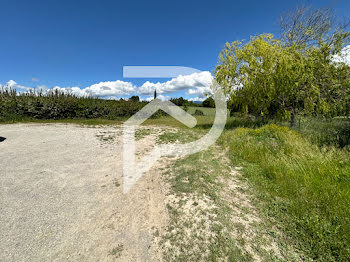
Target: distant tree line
(183, 102)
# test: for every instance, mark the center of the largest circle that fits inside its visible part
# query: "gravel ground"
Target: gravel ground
(61, 196)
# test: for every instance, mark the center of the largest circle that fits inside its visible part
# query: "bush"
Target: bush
(306, 189)
(198, 113)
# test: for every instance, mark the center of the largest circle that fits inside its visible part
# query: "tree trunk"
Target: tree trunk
(293, 118)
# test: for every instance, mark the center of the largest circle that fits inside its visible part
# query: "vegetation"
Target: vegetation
(54, 104)
(198, 112)
(300, 183)
(183, 102)
(294, 75)
(208, 102)
(117, 251)
(303, 187)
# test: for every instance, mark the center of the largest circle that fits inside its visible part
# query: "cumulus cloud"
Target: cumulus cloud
(102, 89)
(197, 99)
(196, 84)
(12, 84)
(111, 88)
(161, 97)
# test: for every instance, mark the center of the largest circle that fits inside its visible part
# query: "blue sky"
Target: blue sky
(82, 43)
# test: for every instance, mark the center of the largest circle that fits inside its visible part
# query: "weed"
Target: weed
(141, 133)
(117, 251)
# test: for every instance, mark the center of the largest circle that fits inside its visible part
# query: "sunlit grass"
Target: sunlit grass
(305, 188)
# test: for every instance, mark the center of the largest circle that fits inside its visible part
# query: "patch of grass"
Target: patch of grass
(169, 121)
(207, 111)
(198, 112)
(180, 136)
(141, 133)
(117, 251)
(304, 188)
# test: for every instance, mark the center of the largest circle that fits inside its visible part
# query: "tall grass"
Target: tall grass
(305, 188)
(326, 132)
(54, 104)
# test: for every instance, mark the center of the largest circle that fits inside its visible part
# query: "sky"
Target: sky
(82, 46)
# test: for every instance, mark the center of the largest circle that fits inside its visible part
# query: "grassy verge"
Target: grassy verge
(211, 218)
(304, 188)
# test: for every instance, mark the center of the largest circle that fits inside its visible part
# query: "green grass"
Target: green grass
(326, 132)
(117, 251)
(305, 189)
(206, 110)
(141, 133)
(202, 122)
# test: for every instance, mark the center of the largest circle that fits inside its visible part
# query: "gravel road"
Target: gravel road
(61, 196)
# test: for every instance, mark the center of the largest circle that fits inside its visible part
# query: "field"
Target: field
(207, 111)
(288, 188)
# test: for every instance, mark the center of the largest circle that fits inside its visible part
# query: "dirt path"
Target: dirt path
(61, 196)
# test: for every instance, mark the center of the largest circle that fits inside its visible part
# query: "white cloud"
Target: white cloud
(195, 99)
(34, 79)
(111, 88)
(102, 89)
(161, 97)
(344, 56)
(197, 84)
(12, 84)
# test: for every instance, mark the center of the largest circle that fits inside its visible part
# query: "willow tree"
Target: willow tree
(266, 78)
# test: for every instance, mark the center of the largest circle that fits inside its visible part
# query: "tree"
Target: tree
(325, 37)
(134, 99)
(208, 102)
(155, 94)
(305, 25)
(178, 101)
(266, 78)
(296, 74)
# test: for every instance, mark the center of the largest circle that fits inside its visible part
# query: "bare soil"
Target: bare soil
(61, 196)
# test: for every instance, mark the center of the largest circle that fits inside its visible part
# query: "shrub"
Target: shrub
(198, 113)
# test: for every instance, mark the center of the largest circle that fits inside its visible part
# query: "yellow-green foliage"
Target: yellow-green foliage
(305, 188)
(270, 79)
